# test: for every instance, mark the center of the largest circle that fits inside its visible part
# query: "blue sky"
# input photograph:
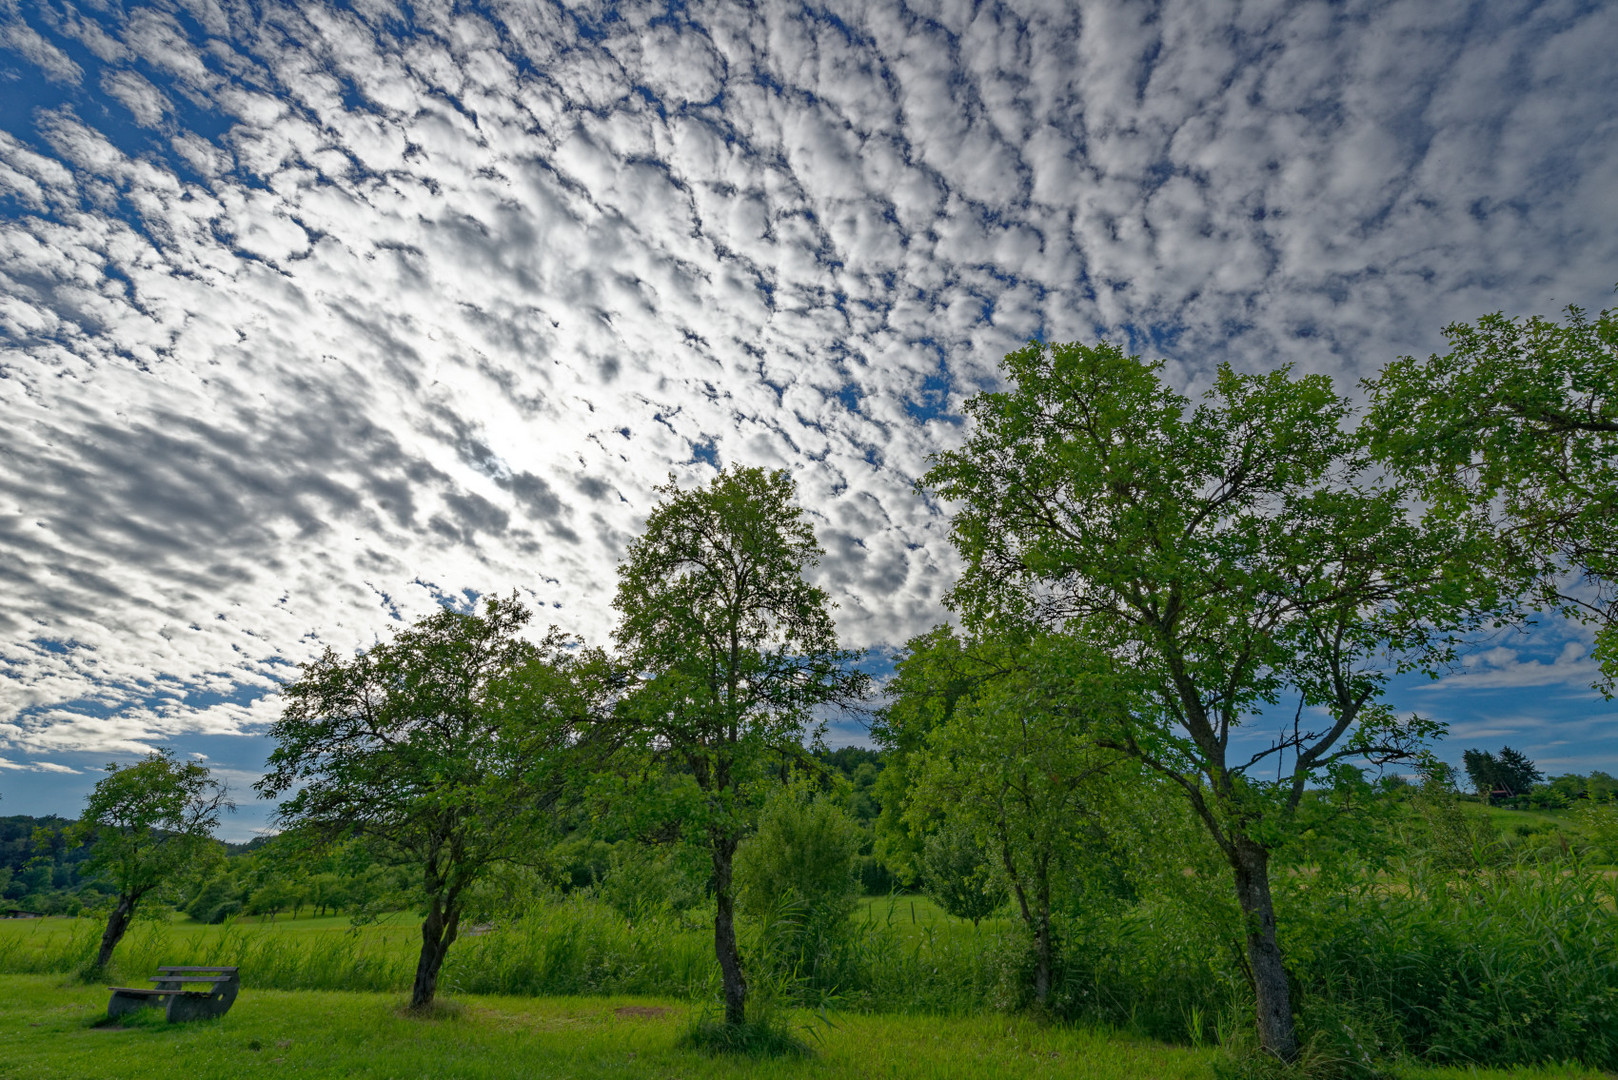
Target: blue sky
(314, 316)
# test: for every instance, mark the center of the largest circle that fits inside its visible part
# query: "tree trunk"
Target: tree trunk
(1036, 917)
(724, 930)
(117, 924)
(1042, 934)
(1276, 1033)
(438, 932)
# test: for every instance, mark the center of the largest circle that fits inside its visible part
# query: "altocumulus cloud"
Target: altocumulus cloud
(315, 316)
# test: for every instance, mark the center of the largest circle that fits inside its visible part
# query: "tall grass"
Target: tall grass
(1504, 966)
(268, 956)
(1495, 965)
(574, 946)
(579, 946)
(874, 962)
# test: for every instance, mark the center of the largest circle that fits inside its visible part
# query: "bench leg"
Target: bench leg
(198, 1006)
(122, 1003)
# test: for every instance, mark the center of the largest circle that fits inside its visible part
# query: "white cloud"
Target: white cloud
(35, 766)
(363, 319)
(148, 104)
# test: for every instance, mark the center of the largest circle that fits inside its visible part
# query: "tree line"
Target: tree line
(1144, 577)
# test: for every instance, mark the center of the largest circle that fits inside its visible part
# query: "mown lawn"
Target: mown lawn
(49, 1031)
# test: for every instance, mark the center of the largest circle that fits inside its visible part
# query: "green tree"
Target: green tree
(441, 748)
(148, 823)
(1016, 766)
(1517, 773)
(928, 683)
(327, 891)
(1601, 787)
(643, 881)
(274, 895)
(1229, 553)
(1482, 769)
(1514, 431)
(216, 900)
(1509, 771)
(736, 650)
(957, 871)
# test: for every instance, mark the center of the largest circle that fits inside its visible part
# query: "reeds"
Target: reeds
(1502, 966)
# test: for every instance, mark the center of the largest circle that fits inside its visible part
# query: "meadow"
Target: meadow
(1512, 969)
(52, 1028)
(575, 945)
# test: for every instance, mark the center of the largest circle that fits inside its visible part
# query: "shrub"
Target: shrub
(802, 855)
(958, 874)
(643, 882)
(1504, 967)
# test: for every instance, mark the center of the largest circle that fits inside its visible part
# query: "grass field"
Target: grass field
(1507, 819)
(51, 1029)
(572, 947)
(541, 996)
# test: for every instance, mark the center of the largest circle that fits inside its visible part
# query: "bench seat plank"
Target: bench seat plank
(213, 967)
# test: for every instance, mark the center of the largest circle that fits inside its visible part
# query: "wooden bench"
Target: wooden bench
(180, 991)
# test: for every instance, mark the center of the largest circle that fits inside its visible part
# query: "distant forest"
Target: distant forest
(41, 873)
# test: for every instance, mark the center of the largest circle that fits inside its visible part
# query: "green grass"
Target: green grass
(1508, 819)
(914, 916)
(907, 955)
(49, 1029)
(1509, 967)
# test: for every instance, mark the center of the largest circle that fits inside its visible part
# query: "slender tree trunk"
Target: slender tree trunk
(438, 933)
(1043, 963)
(724, 930)
(1037, 917)
(117, 923)
(1276, 1033)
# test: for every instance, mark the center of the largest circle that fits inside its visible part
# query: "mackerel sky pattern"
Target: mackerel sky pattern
(314, 316)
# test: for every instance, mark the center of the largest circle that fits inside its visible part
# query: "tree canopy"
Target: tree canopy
(1016, 772)
(442, 748)
(1227, 554)
(147, 822)
(1514, 432)
(1509, 771)
(736, 650)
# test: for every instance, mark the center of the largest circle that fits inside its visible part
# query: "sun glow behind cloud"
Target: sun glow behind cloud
(313, 316)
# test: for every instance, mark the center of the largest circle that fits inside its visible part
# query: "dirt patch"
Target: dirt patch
(528, 1022)
(644, 1012)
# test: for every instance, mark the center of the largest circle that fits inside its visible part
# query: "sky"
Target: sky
(313, 317)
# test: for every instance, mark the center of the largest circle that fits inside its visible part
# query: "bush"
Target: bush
(580, 861)
(795, 881)
(643, 882)
(215, 902)
(957, 873)
(802, 856)
(1600, 824)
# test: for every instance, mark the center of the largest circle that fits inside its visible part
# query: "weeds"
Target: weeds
(770, 1036)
